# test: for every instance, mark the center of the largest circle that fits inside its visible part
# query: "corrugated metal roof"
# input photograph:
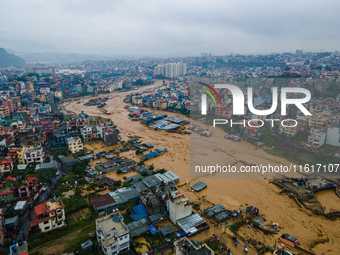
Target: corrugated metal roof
(221, 216)
(211, 211)
(155, 218)
(138, 227)
(150, 155)
(199, 186)
(140, 186)
(151, 181)
(167, 230)
(168, 177)
(189, 224)
(20, 205)
(102, 200)
(87, 244)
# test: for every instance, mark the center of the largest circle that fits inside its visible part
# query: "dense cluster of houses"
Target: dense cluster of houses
(157, 199)
(174, 96)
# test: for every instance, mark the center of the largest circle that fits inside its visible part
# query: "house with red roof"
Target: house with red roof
(6, 165)
(49, 215)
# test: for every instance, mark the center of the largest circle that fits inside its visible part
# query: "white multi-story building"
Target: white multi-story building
(316, 139)
(112, 234)
(333, 136)
(34, 154)
(171, 70)
(160, 69)
(179, 208)
(49, 215)
(86, 132)
(74, 144)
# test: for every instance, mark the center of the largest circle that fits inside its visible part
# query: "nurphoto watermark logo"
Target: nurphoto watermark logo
(239, 105)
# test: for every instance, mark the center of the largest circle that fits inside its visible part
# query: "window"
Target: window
(47, 228)
(125, 237)
(120, 239)
(46, 222)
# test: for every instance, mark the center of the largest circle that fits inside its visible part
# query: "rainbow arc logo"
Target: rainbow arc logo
(209, 93)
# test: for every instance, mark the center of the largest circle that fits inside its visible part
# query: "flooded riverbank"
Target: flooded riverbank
(232, 193)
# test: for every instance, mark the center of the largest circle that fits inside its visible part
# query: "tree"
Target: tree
(117, 183)
(140, 179)
(161, 171)
(138, 151)
(82, 182)
(85, 161)
(152, 167)
(144, 173)
(124, 177)
(78, 191)
(79, 168)
(119, 171)
(127, 184)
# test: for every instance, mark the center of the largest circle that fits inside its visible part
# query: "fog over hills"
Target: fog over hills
(8, 59)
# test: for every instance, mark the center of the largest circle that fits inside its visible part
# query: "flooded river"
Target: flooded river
(232, 193)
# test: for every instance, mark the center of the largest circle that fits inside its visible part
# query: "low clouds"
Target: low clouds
(158, 28)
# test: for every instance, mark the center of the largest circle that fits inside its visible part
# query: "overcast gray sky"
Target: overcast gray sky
(165, 27)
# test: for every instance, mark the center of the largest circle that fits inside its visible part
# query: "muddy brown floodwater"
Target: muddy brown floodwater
(315, 233)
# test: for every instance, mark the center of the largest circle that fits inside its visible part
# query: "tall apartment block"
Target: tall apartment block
(171, 70)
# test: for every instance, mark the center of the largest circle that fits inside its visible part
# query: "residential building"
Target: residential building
(179, 208)
(9, 105)
(289, 129)
(333, 136)
(163, 104)
(74, 144)
(58, 94)
(31, 186)
(6, 165)
(316, 139)
(184, 247)
(60, 140)
(112, 234)
(171, 70)
(17, 155)
(7, 189)
(34, 154)
(86, 133)
(4, 112)
(19, 248)
(49, 215)
(110, 136)
(317, 121)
